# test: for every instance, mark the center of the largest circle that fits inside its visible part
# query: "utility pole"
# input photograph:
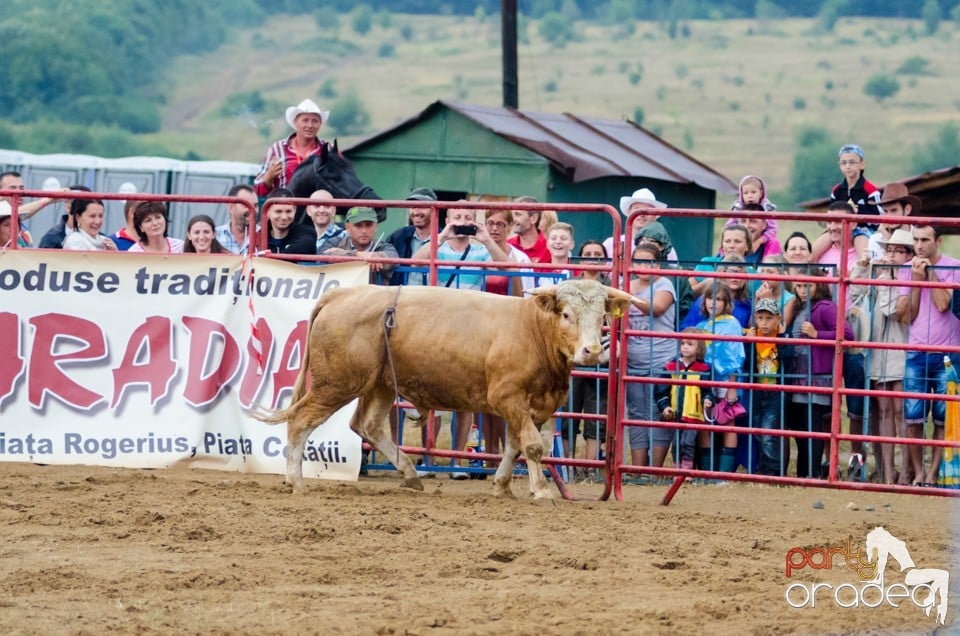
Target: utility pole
(508, 23)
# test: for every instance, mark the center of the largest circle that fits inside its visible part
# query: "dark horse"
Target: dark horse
(331, 171)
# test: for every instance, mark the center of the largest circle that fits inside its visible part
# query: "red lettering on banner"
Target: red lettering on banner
(11, 362)
(203, 387)
(151, 344)
(286, 375)
(254, 376)
(45, 374)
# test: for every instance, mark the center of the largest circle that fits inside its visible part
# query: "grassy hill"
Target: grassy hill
(733, 94)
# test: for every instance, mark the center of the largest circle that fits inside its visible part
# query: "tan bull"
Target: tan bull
(451, 350)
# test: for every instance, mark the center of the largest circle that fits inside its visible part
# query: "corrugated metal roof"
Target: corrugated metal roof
(584, 148)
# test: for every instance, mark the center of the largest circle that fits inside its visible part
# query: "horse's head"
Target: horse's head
(333, 172)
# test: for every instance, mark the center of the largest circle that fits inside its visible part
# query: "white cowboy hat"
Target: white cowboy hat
(5, 210)
(643, 195)
(899, 237)
(306, 106)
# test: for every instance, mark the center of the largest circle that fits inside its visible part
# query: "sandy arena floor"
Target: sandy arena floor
(90, 550)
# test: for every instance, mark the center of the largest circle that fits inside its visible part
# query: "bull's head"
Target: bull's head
(580, 306)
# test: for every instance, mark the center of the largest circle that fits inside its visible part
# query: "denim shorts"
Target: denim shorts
(924, 373)
(854, 378)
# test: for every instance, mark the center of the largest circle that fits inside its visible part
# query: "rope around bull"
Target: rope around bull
(389, 324)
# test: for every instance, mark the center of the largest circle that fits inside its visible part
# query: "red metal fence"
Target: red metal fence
(621, 269)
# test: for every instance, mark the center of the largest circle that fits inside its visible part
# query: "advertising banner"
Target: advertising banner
(153, 361)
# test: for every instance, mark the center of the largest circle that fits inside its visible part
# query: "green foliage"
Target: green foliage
(687, 139)
(931, 16)
(406, 32)
(638, 115)
(599, 69)
(384, 19)
(387, 49)
(361, 19)
(830, 12)
(955, 15)
(327, 20)
(799, 103)
(915, 65)
(880, 86)
(550, 86)
(328, 89)
(635, 78)
(814, 170)
(94, 62)
(51, 136)
(556, 29)
(942, 150)
(681, 71)
(348, 115)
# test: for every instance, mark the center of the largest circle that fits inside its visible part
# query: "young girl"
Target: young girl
(589, 395)
(687, 403)
(816, 317)
(725, 357)
(87, 219)
(775, 289)
(150, 221)
(753, 191)
(201, 237)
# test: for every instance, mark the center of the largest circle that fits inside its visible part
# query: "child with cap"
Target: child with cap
(766, 406)
(863, 197)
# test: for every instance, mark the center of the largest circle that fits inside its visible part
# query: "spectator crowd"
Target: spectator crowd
(773, 289)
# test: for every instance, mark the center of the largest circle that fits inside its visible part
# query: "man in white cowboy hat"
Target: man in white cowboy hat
(895, 202)
(641, 200)
(285, 155)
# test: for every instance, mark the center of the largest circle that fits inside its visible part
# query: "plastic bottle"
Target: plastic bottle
(950, 370)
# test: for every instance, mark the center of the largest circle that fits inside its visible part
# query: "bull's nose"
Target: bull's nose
(591, 352)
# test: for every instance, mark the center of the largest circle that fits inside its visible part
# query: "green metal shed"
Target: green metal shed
(467, 150)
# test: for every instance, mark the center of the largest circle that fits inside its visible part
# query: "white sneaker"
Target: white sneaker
(459, 475)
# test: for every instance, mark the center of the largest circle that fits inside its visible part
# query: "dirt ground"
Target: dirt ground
(90, 550)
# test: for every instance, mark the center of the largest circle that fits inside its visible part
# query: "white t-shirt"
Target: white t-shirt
(82, 241)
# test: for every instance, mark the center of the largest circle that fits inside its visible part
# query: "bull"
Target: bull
(450, 350)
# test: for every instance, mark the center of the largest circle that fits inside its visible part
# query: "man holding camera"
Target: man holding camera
(463, 239)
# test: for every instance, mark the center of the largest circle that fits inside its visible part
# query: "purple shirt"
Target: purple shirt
(933, 327)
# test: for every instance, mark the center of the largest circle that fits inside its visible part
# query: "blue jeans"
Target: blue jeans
(766, 415)
(925, 373)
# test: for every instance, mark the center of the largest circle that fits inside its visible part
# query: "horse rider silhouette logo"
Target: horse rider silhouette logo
(926, 588)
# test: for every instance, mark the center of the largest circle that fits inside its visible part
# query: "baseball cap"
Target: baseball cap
(422, 194)
(358, 215)
(768, 305)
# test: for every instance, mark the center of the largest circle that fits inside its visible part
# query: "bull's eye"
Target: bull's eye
(566, 316)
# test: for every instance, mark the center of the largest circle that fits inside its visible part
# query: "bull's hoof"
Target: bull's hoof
(413, 483)
(502, 489)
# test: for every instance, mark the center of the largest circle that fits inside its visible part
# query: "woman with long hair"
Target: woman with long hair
(201, 237)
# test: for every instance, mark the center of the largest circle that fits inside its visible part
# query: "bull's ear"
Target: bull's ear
(618, 302)
(546, 298)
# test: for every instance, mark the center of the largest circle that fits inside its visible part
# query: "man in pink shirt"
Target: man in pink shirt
(928, 312)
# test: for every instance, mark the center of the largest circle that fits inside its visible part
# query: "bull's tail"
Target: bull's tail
(300, 386)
